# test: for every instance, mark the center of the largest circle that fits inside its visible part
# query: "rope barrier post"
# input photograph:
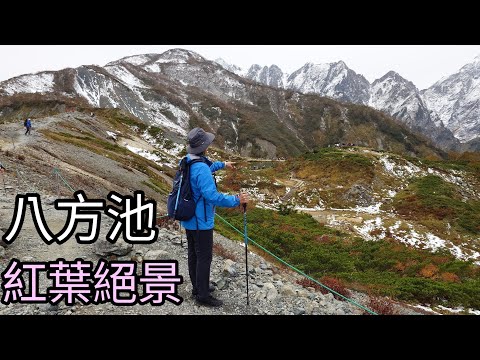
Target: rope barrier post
(246, 245)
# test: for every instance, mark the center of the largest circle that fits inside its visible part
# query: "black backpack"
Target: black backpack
(180, 203)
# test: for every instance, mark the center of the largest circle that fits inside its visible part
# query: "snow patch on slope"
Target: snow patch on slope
(124, 75)
(112, 135)
(154, 67)
(137, 59)
(373, 230)
(32, 83)
(231, 67)
(92, 95)
(397, 170)
(160, 119)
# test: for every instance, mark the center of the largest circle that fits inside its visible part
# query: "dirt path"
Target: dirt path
(13, 134)
(297, 184)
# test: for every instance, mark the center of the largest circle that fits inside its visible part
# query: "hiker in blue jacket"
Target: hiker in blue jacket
(200, 228)
(28, 126)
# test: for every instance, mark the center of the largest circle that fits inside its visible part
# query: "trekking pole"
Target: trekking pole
(246, 243)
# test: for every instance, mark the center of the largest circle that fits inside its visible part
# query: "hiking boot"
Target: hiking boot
(210, 301)
(211, 288)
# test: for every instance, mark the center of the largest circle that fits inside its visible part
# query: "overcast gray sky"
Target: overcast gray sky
(421, 64)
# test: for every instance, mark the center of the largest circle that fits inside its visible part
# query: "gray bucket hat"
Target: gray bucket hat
(198, 140)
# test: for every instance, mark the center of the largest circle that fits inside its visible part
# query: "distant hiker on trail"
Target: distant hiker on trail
(2, 168)
(200, 228)
(28, 126)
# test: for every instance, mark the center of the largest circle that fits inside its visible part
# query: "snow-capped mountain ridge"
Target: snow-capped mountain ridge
(455, 101)
(449, 107)
(446, 112)
(333, 80)
(230, 67)
(268, 75)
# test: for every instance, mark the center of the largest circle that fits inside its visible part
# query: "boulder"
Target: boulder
(229, 268)
(156, 255)
(105, 248)
(272, 294)
(287, 290)
(298, 311)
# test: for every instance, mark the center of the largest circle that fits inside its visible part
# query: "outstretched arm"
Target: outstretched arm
(219, 165)
(209, 191)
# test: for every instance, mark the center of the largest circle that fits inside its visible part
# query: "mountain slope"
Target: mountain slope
(365, 202)
(455, 101)
(179, 89)
(113, 151)
(401, 99)
(271, 76)
(447, 113)
(391, 93)
(391, 224)
(230, 67)
(334, 80)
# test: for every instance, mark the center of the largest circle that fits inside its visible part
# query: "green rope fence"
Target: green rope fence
(57, 172)
(297, 270)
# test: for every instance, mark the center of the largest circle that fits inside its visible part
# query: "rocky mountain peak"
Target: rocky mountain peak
(254, 69)
(268, 75)
(474, 66)
(400, 98)
(454, 101)
(394, 79)
(333, 80)
(180, 56)
(228, 66)
(340, 65)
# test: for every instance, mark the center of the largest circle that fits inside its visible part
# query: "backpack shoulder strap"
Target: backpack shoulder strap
(195, 161)
(183, 164)
(188, 165)
(187, 168)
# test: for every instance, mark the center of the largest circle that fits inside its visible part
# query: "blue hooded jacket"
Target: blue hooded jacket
(205, 194)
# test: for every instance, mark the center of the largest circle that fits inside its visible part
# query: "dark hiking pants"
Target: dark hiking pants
(199, 260)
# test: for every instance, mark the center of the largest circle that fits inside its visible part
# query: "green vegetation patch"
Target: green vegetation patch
(382, 267)
(332, 155)
(431, 197)
(119, 120)
(157, 185)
